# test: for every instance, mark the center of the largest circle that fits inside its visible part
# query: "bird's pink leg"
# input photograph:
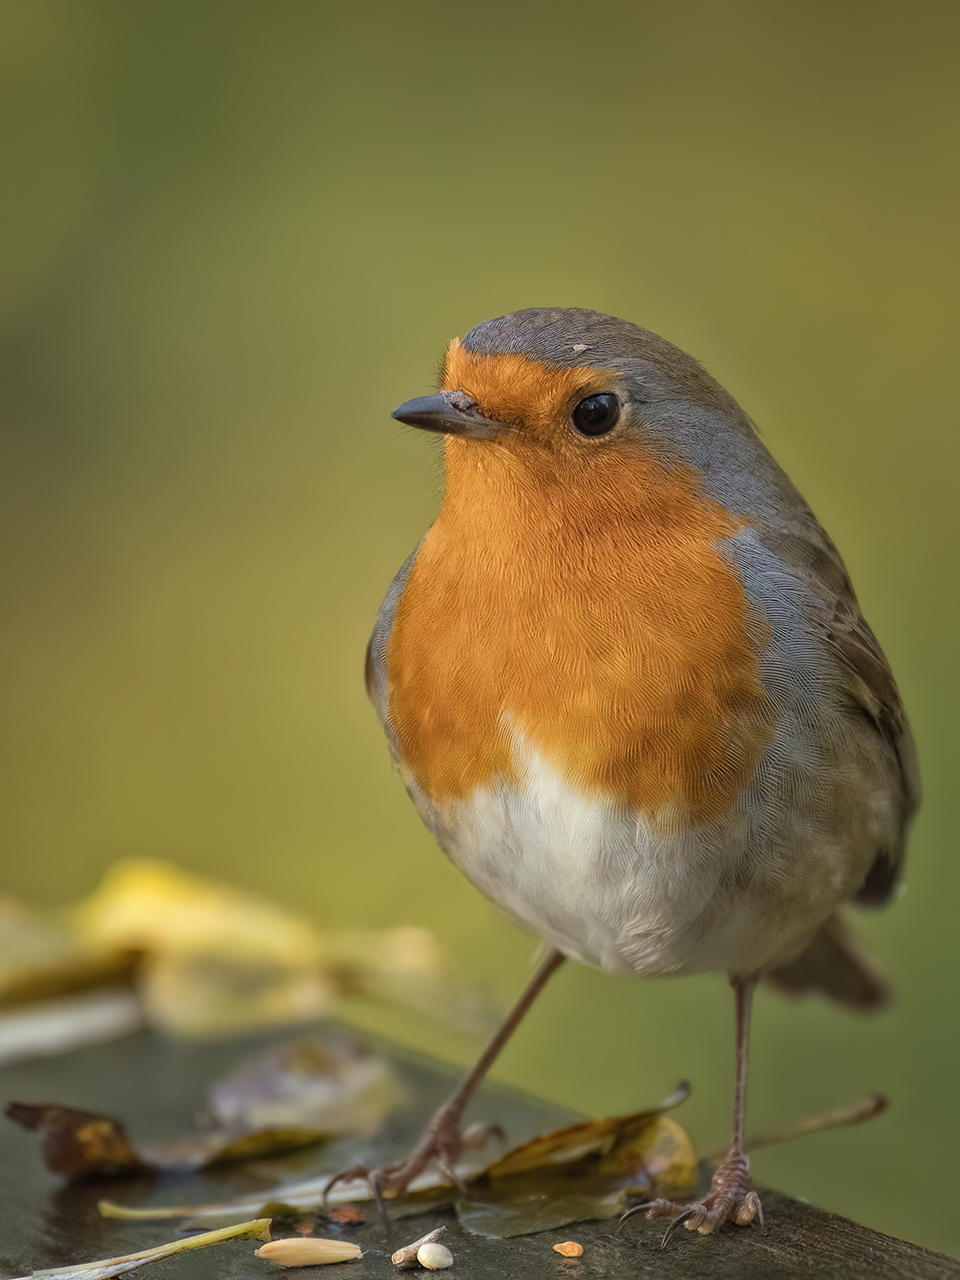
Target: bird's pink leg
(442, 1139)
(731, 1197)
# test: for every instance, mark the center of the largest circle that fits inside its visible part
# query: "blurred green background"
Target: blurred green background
(235, 235)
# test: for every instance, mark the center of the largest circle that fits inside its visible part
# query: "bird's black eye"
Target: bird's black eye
(596, 415)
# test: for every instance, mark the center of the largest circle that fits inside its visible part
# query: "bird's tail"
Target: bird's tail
(838, 965)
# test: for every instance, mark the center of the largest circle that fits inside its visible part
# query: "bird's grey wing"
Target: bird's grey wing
(867, 681)
(836, 963)
(874, 695)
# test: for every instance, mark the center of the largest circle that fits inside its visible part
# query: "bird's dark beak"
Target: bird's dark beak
(453, 413)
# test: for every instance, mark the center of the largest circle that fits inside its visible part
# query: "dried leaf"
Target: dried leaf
(78, 1144)
(618, 1146)
(580, 1172)
(289, 1097)
(332, 1087)
(192, 1151)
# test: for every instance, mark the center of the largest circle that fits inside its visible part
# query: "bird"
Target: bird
(628, 686)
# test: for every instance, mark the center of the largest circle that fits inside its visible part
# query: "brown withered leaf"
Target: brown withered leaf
(580, 1172)
(76, 1143)
(292, 1096)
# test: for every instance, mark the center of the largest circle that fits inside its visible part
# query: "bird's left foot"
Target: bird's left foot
(731, 1198)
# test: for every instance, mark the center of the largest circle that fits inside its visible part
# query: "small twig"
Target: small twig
(406, 1257)
(872, 1105)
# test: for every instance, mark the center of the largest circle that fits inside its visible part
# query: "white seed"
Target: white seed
(308, 1251)
(406, 1258)
(434, 1256)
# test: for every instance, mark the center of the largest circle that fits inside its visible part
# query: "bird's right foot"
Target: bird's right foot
(442, 1141)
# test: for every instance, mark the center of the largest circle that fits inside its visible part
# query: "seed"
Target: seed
(406, 1258)
(307, 1251)
(569, 1249)
(434, 1256)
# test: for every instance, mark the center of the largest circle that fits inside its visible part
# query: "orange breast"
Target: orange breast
(582, 607)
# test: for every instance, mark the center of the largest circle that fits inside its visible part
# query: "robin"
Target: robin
(628, 686)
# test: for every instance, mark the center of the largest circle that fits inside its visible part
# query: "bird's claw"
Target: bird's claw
(731, 1198)
(442, 1142)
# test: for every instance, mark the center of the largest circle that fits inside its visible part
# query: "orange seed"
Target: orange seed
(569, 1249)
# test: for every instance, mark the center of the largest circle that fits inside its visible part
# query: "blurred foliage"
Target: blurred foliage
(234, 236)
(208, 960)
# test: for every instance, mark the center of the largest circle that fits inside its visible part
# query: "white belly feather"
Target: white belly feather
(633, 893)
